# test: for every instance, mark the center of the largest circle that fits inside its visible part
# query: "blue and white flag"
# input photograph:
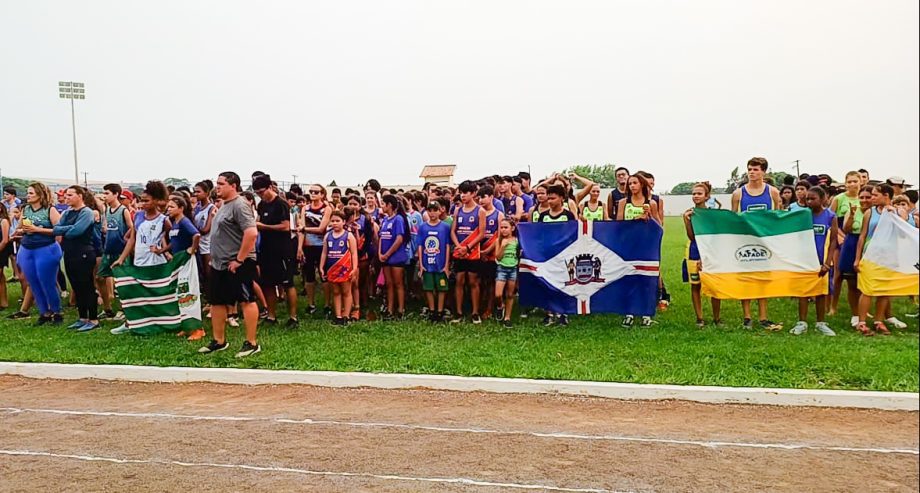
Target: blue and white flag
(590, 267)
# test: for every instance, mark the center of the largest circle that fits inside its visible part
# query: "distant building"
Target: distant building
(439, 174)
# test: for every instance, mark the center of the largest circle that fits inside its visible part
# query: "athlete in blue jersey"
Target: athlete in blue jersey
(756, 195)
(824, 224)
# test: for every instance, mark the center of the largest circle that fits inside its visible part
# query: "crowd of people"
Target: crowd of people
(456, 248)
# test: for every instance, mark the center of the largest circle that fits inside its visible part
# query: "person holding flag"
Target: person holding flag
(881, 203)
(824, 225)
(638, 205)
(756, 195)
(693, 264)
(556, 199)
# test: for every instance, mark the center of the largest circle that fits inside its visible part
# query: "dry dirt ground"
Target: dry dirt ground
(114, 436)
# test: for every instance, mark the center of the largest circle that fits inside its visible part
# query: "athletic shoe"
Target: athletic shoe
(248, 350)
(500, 313)
(121, 329)
(263, 314)
(106, 314)
(425, 313)
(57, 319)
(457, 319)
(647, 322)
(896, 323)
(43, 320)
(562, 320)
(476, 319)
(547, 320)
(270, 321)
(799, 328)
(233, 322)
(825, 329)
(327, 312)
(771, 325)
(507, 324)
(292, 323)
(912, 315)
(88, 326)
(196, 334)
(525, 313)
(628, 321)
(747, 324)
(311, 309)
(17, 315)
(337, 321)
(854, 320)
(213, 347)
(663, 305)
(700, 323)
(717, 323)
(76, 325)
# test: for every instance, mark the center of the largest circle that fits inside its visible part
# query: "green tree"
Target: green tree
(602, 174)
(733, 181)
(685, 188)
(177, 182)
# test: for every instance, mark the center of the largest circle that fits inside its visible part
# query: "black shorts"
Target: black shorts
(487, 270)
(228, 288)
(311, 258)
(464, 265)
(276, 271)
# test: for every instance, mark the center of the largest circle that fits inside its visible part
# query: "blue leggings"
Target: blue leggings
(41, 265)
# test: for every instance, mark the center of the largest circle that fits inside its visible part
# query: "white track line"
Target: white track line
(249, 467)
(570, 436)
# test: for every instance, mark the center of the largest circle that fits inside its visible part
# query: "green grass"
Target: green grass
(591, 348)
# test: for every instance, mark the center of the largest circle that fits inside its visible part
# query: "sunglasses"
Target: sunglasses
(315, 192)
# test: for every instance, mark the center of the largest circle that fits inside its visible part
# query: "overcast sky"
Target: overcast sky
(349, 90)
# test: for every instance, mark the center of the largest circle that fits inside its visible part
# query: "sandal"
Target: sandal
(864, 329)
(881, 328)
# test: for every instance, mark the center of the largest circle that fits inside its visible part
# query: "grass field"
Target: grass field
(590, 348)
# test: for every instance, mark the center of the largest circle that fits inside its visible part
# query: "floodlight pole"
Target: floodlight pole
(73, 125)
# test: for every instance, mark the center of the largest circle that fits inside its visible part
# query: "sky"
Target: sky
(349, 90)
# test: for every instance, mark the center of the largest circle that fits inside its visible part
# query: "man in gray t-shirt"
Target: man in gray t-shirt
(233, 265)
(233, 218)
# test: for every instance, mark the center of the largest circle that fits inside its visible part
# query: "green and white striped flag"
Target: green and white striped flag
(764, 254)
(160, 298)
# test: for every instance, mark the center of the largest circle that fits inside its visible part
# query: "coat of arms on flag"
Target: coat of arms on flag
(590, 267)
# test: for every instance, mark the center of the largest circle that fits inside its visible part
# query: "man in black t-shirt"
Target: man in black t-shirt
(275, 256)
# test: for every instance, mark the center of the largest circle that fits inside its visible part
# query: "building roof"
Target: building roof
(438, 170)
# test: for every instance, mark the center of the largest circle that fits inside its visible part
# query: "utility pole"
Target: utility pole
(71, 91)
(797, 172)
(85, 182)
(295, 179)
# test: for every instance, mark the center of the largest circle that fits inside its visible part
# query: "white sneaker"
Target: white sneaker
(896, 323)
(825, 329)
(233, 322)
(854, 320)
(121, 329)
(119, 316)
(799, 328)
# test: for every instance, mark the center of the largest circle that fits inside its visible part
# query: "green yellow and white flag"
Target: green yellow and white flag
(890, 265)
(160, 298)
(757, 255)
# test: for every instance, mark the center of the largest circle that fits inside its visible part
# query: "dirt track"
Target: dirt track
(204, 437)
